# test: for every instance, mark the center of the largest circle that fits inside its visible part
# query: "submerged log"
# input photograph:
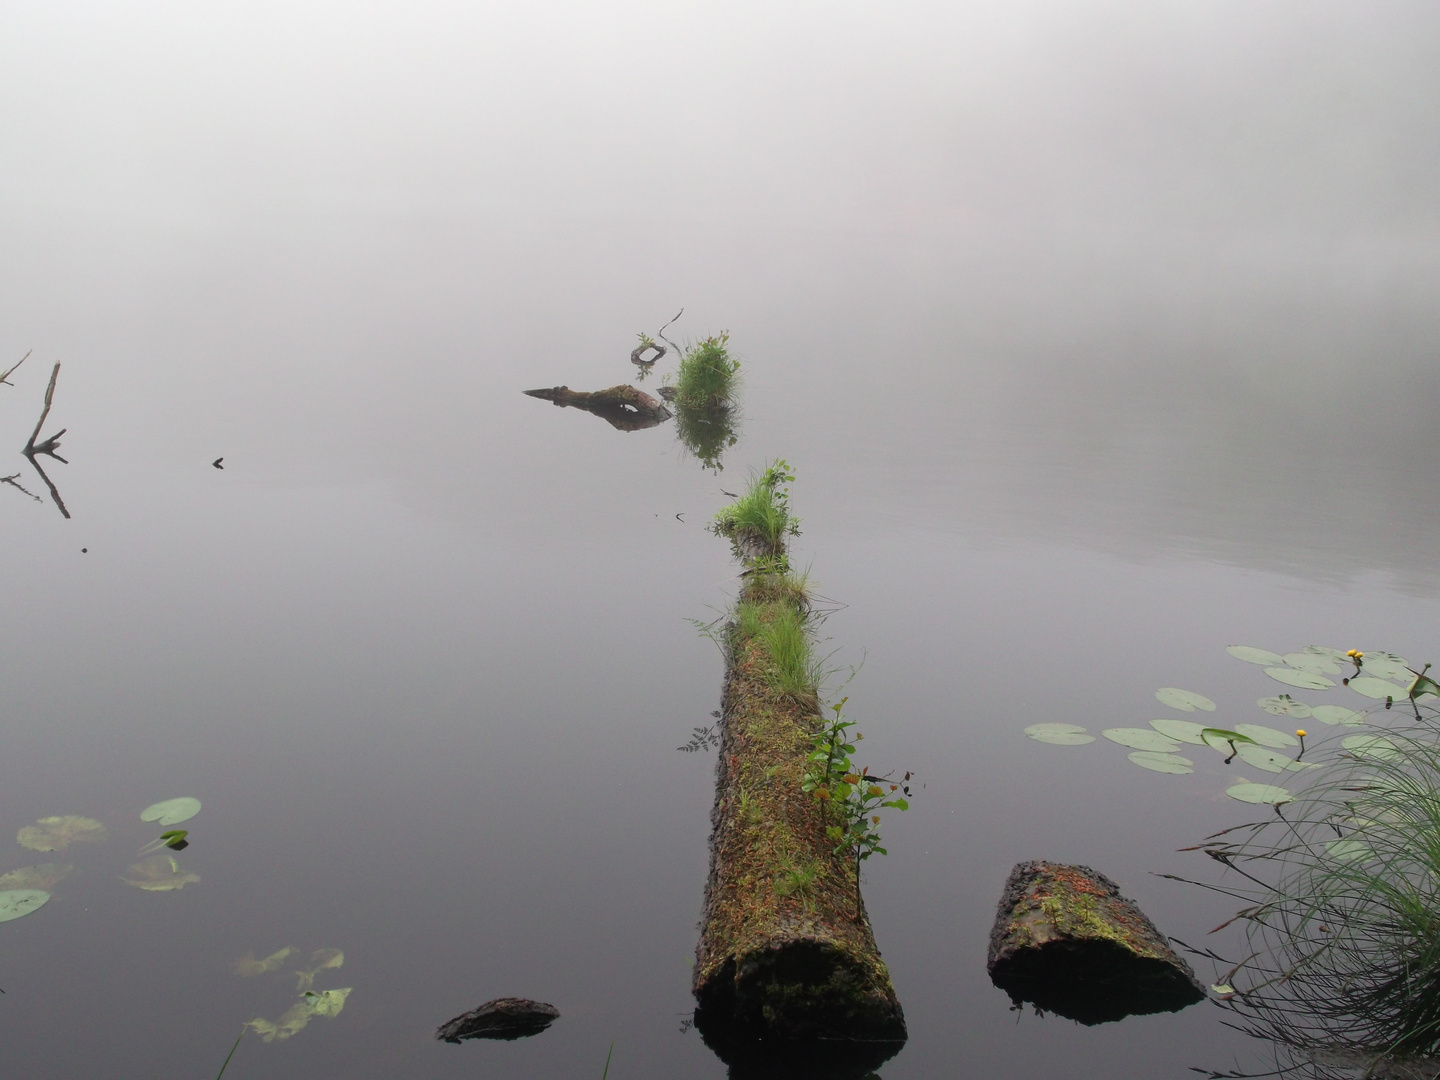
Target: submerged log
(786, 960)
(502, 1018)
(1066, 941)
(623, 406)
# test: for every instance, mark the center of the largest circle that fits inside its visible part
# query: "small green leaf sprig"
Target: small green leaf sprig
(852, 796)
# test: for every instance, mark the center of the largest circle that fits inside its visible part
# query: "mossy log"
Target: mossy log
(623, 406)
(1066, 941)
(786, 957)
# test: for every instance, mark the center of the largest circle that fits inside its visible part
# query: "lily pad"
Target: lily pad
(248, 967)
(1372, 746)
(159, 873)
(1383, 665)
(17, 902)
(1337, 714)
(1338, 655)
(1184, 700)
(1261, 794)
(1377, 688)
(171, 811)
(1220, 739)
(320, 960)
(1157, 762)
(1285, 705)
(1306, 680)
(43, 877)
(1186, 731)
(58, 833)
(1347, 850)
(1263, 657)
(324, 1003)
(1316, 663)
(1269, 760)
(1268, 736)
(1141, 738)
(1059, 734)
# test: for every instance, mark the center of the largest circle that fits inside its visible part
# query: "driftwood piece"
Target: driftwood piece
(786, 962)
(1066, 941)
(503, 1018)
(623, 406)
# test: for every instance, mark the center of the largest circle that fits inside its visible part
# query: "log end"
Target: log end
(1066, 941)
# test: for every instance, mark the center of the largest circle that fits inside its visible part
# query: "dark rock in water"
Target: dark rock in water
(503, 1018)
(1066, 941)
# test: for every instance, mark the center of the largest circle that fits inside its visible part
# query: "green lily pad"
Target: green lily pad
(1157, 762)
(43, 877)
(1059, 734)
(159, 873)
(326, 1003)
(1315, 663)
(1338, 655)
(1220, 739)
(17, 902)
(1261, 794)
(1186, 731)
(1337, 714)
(248, 967)
(1268, 736)
(1141, 738)
(1263, 657)
(320, 960)
(1347, 850)
(1372, 746)
(1285, 705)
(1383, 665)
(1377, 688)
(171, 811)
(58, 833)
(1306, 680)
(1184, 700)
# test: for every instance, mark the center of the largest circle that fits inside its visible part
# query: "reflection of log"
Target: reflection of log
(786, 956)
(1066, 940)
(623, 406)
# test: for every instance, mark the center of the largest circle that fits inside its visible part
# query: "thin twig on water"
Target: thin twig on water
(50, 445)
(6, 377)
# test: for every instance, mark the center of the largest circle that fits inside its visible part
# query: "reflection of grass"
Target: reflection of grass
(706, 378)
(1344, 907)
(706, 432)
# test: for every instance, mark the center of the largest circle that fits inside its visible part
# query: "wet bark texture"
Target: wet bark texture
(623, 406)
(786, 956)
(1066, 941)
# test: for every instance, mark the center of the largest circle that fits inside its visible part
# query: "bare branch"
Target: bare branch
(50, 445)
(6, 377)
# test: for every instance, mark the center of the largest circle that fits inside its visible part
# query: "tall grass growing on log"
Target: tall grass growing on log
(707, 375)
(759, 521)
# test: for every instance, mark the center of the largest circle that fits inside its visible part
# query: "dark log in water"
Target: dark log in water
(786, 960)
(623, 406)
(1066, 941)
(502, 1018)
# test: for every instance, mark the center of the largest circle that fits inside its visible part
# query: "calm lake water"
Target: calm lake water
(1080, 389)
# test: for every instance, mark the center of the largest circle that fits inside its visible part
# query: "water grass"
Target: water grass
(1342, 890)
(759, 522)
(707, 375)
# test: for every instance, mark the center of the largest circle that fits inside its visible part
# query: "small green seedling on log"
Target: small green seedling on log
(853, 796)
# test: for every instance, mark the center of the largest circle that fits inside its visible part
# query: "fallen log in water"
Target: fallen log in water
(786, 964)
(623, 406)
(1066, 941)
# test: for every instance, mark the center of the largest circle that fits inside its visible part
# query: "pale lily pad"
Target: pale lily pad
(1059, 734)
(58, 833)
(1385, 665)
(1262, 794)
(17, 902)
(1186, 731)
(171, 811)
(1347, 850)
(320, 960)
(1157, 762)
(1184, 700)
(1337, 714)
(43, 877)
(1222, 740)
(1372, 746)
(1269, 760)
(1306, 680)
(1377, 688)
(1268, 736)
(325, 1003)
(1338, 655)
(1263, 657)
(1316, 663)
(1141, 738)
(1285, 705)
(159, 873)
(248, 967)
